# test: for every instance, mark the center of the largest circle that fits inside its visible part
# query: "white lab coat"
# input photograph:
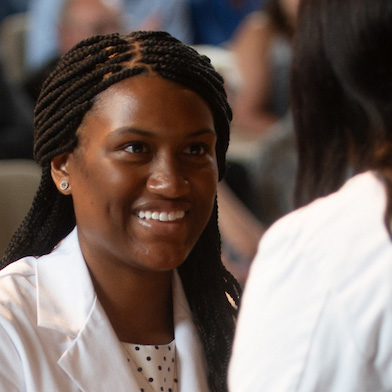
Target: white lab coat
(316, 315)
(55, 335)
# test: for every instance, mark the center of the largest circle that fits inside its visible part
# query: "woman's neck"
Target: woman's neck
(139, 304)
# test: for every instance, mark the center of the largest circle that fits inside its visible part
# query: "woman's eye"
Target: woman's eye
(136, 148)
(196, 149)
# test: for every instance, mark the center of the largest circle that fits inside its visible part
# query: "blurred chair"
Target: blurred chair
(13, 31)
(19, 180)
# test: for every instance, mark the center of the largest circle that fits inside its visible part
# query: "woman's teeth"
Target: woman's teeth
(161, 216)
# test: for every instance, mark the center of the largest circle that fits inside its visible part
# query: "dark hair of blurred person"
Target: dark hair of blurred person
(343, 113)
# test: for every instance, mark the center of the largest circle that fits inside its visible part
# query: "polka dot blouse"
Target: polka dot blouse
(155, 365)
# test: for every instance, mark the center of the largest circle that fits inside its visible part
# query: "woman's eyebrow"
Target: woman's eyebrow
(131, 130)
(202, 132)
(143, 132)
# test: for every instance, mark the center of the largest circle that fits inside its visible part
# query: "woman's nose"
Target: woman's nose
(167, 179)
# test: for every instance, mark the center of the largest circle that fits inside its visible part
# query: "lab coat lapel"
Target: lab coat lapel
(65, 293)
(191, 363)
(66, 302)
(96, 361)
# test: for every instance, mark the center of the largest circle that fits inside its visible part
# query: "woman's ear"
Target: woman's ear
(59, 171)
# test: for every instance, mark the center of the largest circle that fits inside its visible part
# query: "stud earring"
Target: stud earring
(64, 185)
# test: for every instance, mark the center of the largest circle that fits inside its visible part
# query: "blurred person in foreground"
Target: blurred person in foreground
(317, 309)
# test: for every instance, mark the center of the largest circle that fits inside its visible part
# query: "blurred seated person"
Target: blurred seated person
(168, 15)
(16, 122)
(79, 19)
(262, 51)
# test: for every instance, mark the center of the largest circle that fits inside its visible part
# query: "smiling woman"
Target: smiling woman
(120, 251)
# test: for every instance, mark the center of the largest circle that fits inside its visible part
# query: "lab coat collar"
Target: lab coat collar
(67, 303)
(191, 363)
(96, 360)
(65, 293)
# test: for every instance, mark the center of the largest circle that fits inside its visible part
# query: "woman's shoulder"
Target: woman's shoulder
(18, 287)
(332, 228)
(362, 195)
(20, 269)
(344, 231)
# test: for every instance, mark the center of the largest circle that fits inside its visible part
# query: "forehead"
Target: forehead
(151, 102)
(148, 85)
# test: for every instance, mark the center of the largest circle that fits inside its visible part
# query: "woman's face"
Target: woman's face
(143, 178)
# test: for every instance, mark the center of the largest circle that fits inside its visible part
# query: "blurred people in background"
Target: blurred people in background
(240, 232)
(214, 21)
(262, 50)
(272, 172)
(43, 44)
(16, 122)
(79, 19)
(172, 16)
(9, 7)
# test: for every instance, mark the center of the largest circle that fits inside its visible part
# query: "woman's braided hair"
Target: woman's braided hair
(69, 92)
